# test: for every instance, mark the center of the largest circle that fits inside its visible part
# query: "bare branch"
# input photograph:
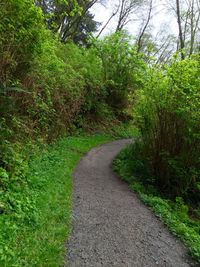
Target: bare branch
(145, 26)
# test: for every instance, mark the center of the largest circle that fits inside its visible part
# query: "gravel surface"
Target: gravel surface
(112, 227)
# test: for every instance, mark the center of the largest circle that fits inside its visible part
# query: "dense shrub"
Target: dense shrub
(21, 28)
(168, 115)
(123, 68)
(21, 35)
(65, 85)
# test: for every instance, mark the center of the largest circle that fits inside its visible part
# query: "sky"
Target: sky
(162, 19)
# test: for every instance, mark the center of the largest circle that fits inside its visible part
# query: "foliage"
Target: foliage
(65, 84)
(21, 28)
(71, 19)
(167, 113)
(175, 214)
(86, 27)
(124, 130)
(37, 211)
(123, 69)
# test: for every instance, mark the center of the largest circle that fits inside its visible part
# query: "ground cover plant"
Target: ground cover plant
(37, 219)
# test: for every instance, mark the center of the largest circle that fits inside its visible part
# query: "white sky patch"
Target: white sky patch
(102, 14)
(162, 19)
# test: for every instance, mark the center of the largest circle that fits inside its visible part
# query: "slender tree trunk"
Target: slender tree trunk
(119, 24)
(145, 26)
(181, 38)
(192, 33)
(103, 28)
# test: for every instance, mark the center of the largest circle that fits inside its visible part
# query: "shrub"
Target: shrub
(168, 116)
(21, 28)
(122, 67)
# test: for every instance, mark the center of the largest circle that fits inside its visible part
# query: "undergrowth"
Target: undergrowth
(174, 213)
(35, 227)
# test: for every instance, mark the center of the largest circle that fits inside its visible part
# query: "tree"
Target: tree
(142, 32)
(193, 14)
(70, 19)
(86, 26)
(126, 10)
(108, 21)
(187, 13)
(181, 38)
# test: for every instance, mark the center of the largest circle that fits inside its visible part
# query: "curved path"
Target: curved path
(112, 227)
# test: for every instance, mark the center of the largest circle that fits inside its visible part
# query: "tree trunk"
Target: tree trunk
(181, 38)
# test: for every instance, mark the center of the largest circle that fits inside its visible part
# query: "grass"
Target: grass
(175, 214)
(36, 232)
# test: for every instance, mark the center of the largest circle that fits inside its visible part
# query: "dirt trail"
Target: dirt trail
(112, 227)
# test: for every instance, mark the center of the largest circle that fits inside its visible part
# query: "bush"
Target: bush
(21, 28)
(168, 117)
(123, 68)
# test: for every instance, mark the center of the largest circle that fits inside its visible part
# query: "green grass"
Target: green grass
(125, 130)
(173, 213)
(35, 233)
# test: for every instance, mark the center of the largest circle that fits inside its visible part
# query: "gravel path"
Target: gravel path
(112, 227)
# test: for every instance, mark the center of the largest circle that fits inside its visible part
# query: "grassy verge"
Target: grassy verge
(34, 233)
(175, 214)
